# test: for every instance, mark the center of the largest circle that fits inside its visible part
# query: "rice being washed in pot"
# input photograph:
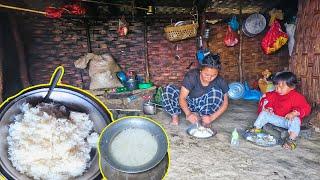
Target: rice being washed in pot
(44, 143)
(134, 147)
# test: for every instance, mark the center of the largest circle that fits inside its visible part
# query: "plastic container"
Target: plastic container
(236, 90)
(131, 98)
(145, 85)
(131, 84)
(235, 138)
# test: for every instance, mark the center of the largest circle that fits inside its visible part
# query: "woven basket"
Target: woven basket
(177, 33)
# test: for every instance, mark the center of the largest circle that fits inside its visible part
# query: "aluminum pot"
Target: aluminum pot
(139, 122)
(149, 108)
(74, 99)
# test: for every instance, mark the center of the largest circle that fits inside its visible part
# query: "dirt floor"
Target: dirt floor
(214, 158)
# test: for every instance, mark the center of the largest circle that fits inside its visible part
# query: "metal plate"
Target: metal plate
(236, 90)
(261, 139)
(133, 122)
(194, 126)
(74, 100)
(255, 23)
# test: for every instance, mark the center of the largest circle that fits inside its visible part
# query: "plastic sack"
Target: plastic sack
(274, 39)
(102, 70)
(234, 23)
(274, 15)
(122, 27)
(231, 37)
(251, 94)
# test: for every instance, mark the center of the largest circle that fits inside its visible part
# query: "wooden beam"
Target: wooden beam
(146, 58)
(20, 52)
(202, 23)
(240, 63)
(1, 62)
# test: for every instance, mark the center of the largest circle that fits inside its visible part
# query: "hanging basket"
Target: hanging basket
(181, 30)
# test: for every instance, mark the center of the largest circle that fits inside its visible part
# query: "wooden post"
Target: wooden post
(1, 62)
(20, 51)
(202, 23)
(240, 63)
(146, 60)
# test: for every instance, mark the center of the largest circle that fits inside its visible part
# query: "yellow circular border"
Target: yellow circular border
(146, 118)
(2, 177)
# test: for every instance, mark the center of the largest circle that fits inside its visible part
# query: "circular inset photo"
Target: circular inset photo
(133, 147)
(50, 131)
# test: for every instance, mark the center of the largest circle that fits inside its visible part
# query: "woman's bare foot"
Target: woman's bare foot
(175, 120)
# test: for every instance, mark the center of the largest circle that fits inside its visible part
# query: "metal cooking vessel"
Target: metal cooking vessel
(149, 108)
(122, 124)
(74, 99)
(254, 25)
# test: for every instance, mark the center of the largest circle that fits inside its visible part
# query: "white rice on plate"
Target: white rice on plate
(201, 132)
(45, 144)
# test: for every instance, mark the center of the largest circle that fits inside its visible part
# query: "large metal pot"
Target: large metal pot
(122, 124)
(74, 99)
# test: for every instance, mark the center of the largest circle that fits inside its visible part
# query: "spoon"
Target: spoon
(57, 75)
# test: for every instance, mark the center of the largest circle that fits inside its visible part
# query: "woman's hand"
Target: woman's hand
(192, 117)
(206, 120)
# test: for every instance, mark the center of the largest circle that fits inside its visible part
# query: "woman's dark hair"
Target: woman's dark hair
(211, 61)
(286, 76)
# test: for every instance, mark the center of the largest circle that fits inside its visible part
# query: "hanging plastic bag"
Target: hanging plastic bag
(274, 39)
(290, 28)
(234, 23)
(231, 37)
(122, 27)
(274, 15)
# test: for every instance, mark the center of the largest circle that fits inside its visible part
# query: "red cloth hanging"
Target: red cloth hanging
(53, 12)
(75, 9)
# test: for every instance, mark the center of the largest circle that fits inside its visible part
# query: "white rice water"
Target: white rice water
(43, 146)
(134, 147)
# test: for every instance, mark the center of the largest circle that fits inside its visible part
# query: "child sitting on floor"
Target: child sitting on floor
(284, 107)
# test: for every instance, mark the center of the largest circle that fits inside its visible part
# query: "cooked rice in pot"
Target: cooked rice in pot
(44, 143)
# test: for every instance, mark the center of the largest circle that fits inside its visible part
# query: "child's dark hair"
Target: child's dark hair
(286, 76)
(211, 61)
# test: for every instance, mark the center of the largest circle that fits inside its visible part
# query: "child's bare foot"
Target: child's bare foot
(175, 120)
(290, 144)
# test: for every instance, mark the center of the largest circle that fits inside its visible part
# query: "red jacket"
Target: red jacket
(284, 104)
